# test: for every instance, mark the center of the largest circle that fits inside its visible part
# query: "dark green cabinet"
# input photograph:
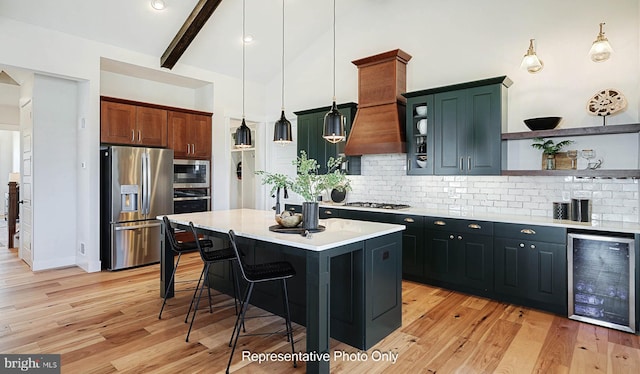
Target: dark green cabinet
(310, 126)
(531, 266)
(459, 253)
(412, 246)
(464, 124)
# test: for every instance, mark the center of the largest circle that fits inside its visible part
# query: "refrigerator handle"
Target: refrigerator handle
(148, 187)
(143, 182)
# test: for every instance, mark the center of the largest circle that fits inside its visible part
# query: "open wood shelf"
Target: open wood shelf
(579, 131)
(618, 173)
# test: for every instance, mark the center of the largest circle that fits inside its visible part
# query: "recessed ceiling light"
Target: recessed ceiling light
(158, 4)
(248, 39)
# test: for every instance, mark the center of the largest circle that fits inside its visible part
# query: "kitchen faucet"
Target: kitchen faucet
(277, 196)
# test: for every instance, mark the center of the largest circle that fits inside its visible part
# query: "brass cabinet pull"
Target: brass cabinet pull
(528, 231)
(409, 219)
(328, 212)
(521, 245)
(451, 236)
(459, 237)
(133, 135)
(193, 149)
(139, 136)
(474, 226)
(439, 223)
(533, 246)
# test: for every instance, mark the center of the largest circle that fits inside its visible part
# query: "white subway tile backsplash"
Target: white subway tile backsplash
(384, 179)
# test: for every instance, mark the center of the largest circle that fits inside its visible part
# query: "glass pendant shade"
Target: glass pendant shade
(333, 125)
(243, 136)
(531, 62)
(600, 49)
(282, 130)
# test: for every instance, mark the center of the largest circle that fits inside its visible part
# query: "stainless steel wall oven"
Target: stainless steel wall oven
(191, 174)
(190, 200)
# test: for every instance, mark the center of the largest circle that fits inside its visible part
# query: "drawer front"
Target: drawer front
(531, 232)
(459, 225)
(329, 213)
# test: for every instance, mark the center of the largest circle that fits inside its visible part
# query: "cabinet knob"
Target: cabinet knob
(528, 231)
(451, 236)
(459, 237)
(521, 245)
(474, 226)
(439, 223)
(409, 219)
(533, 246)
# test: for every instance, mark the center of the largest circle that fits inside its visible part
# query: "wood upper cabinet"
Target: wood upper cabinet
(122, 123)
(189, 135)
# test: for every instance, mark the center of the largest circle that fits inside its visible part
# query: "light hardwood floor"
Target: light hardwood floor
(108, 322)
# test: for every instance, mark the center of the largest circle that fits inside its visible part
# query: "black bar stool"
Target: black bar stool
(179, 248)
(210, 257)
(255, 273)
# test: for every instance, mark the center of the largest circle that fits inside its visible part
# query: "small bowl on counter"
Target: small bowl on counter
(288, 219)
(542, 123)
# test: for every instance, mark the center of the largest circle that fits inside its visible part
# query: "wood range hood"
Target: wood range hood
(379, 126)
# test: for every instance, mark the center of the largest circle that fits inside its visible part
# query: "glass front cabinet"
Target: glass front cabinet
(419, 134)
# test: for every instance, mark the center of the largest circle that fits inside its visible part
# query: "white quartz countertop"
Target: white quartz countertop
(614, 226)
(254, 224)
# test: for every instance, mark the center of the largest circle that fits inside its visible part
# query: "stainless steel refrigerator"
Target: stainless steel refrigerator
(136, 186)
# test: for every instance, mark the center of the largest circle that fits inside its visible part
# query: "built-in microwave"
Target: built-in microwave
(191, 173)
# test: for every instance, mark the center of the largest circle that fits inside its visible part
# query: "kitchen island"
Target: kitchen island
(348, 282)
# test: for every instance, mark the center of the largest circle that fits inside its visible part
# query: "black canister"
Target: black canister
(581, 210)
(560, 210)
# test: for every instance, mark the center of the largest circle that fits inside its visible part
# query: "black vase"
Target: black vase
(310, 215)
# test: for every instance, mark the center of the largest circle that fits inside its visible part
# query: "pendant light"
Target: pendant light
(333, 130)
(282, 127)
(531, 62)
(243, 133)
(600, 49)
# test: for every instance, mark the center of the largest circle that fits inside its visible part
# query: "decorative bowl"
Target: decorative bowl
(288, 219)
(542, 123)
(421, 110)
(422, 161)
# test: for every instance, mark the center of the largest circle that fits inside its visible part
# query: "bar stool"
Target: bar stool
(256, 273)
(210, 257)
(179, 248)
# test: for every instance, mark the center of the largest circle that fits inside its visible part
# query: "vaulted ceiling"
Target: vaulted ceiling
(134, 25)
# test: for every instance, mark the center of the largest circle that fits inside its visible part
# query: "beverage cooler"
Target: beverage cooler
(601, 280)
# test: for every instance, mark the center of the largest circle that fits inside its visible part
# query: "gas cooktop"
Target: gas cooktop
(378, 205)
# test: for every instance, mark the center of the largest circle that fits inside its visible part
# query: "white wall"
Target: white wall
(459, 41)
(55, 118)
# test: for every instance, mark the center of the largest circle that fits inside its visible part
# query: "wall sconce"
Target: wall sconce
(531, 62)
(600, 49)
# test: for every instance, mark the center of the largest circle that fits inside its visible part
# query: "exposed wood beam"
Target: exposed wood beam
(191, 27)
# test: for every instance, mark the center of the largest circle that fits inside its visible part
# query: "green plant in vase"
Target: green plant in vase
(309, 184)
(549, 150)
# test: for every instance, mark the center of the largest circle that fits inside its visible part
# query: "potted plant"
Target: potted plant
(549, 150)
(309, 184)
